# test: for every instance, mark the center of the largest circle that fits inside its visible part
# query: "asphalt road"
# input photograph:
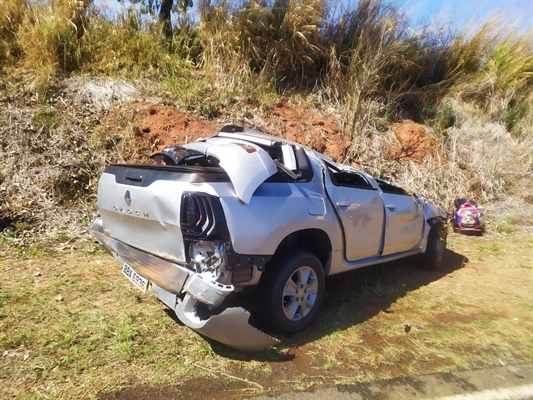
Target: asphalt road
(500, 383)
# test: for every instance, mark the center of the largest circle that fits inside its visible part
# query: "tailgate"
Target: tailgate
(141, 207)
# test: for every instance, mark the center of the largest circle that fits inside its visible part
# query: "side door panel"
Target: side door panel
(404, 223)
(360, 210)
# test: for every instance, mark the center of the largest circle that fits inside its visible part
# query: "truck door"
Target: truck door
(360, 209)
(404, 219)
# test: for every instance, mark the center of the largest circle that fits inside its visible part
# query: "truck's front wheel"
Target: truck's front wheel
(290, 295)
(433, 258)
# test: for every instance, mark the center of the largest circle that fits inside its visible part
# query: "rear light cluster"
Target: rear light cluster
(202, 217)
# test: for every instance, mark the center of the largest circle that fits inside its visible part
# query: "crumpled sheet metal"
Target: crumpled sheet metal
(230, 327)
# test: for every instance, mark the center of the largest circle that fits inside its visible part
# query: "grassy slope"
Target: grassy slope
(472, 92)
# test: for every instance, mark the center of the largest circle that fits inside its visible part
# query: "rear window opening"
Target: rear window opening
(290, 157)
(177, 155)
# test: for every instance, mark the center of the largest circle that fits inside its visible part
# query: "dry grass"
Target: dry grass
(73, 327)
(475, 166)
(42, 168)
(52, 157)
(11, 18)
(232, 65)
(363, 58)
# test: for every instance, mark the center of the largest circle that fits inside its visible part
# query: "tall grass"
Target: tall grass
(365, 61)
(364, 58)
(12, 14)
(49, 36)
(128, 46)
(503, 86)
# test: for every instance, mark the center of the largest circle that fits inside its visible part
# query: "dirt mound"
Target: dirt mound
(417, 144)
(309, 128)
(166, 126)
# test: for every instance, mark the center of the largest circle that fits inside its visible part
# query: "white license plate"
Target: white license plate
(138, 280)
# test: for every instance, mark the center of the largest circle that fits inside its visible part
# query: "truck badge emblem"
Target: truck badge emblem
(127, 198)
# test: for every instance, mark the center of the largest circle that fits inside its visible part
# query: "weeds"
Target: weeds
(46, 120)
(362, 63)
(445, 118)
(492, 249)
(513, 116)
(506, 225)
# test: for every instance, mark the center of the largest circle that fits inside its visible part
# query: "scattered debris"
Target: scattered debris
(407, 328)
(59, 298)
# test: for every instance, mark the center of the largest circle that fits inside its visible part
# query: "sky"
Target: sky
(458, 14)
(467, 14)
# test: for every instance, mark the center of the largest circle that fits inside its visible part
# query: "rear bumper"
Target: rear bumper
(183, 290)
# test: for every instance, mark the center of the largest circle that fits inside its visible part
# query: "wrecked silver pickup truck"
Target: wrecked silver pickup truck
(245, 210)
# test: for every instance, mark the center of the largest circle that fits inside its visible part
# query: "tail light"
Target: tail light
(202, 217)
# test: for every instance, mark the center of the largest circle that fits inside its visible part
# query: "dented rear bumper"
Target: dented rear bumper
(184, 290)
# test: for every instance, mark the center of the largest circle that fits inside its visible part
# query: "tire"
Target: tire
(291, 293)
(433, 258)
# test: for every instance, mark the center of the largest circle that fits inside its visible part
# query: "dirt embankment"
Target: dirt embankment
(167, 126)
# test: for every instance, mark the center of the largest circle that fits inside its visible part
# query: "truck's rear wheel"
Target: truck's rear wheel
(290, 296)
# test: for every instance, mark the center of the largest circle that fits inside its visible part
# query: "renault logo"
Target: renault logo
(127, 198)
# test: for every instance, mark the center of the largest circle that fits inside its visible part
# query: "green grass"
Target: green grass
(491, 249)
(507, 225)
(104, 330)
(46, 120)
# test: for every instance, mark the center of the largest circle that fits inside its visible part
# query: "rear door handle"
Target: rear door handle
(391, 207)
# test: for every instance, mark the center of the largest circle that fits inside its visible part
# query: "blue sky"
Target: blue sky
(459, 14)
(468, 13)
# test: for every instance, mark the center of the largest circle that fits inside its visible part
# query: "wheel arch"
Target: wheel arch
(431, 222)
(436, 220)
(315, 241)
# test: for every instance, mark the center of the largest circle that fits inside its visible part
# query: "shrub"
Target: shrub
(12, 14)
(445, 118)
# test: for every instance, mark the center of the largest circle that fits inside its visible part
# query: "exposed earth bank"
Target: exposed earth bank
(167, 126)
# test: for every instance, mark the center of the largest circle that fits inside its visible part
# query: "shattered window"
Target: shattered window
(178, 155)
(389, 187)
(348, 178)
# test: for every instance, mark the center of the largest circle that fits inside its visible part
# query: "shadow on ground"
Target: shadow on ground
(364, 293)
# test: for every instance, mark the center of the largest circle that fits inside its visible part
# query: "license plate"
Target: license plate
(138, 280)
